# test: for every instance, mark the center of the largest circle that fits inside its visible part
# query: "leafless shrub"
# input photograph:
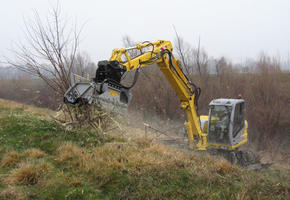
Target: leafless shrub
(192, 60)
(267, 99)
(83, 65)
(201, 61)
(129, 42)
(185, 54)
(49, 51)
(86, 117)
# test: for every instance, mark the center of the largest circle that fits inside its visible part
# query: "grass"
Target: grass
(20, 130)
(41, 160)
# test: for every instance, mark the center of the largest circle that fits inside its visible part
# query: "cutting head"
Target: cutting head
(105, 90)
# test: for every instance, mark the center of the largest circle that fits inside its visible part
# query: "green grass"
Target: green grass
(21, 130)
(83, 165)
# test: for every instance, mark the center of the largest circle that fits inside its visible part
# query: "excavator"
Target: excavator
(222, 132)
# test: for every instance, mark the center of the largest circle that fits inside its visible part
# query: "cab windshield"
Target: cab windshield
(219, 122)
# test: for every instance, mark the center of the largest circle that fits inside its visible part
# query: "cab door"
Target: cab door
(238, 123)
(220, 118)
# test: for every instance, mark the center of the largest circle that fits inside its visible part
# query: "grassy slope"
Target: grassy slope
(39, 160)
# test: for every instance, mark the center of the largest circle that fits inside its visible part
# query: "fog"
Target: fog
(237, 29)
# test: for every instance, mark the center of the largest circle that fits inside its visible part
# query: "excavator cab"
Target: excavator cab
(226, 122)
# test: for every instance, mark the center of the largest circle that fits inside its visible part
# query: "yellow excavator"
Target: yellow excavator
(223, 131)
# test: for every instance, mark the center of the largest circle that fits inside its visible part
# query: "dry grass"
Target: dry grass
(224, 167)
(137, 156)
(242, 195)
(33, 153)
(27, 173)
(12, 193)
(130, 168)
(10, 159)
(76, 182)
(69, 151)
(46, 113)
(143, 142)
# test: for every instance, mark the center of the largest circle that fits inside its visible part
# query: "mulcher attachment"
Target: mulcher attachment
(105, 89)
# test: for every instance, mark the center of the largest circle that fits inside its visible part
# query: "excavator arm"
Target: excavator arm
(106, 87)
(160, 52)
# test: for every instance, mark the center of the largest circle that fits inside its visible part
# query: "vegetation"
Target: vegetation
(41, 160)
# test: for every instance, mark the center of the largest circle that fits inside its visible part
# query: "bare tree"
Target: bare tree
(192, 59)
(201, 61)
(129, 42)
(49, 50)
(185, 53)
(83, 65)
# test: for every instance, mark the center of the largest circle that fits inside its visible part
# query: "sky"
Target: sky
(236, 29)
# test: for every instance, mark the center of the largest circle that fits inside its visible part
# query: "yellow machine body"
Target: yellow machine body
(161, 53)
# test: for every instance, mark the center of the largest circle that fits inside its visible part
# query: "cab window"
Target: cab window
(219, 124)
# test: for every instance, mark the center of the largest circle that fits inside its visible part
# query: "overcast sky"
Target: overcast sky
(236, 29)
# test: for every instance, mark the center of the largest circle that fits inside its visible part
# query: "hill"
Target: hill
(42, 160)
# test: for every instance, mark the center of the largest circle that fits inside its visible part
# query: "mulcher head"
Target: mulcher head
(104, 90)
